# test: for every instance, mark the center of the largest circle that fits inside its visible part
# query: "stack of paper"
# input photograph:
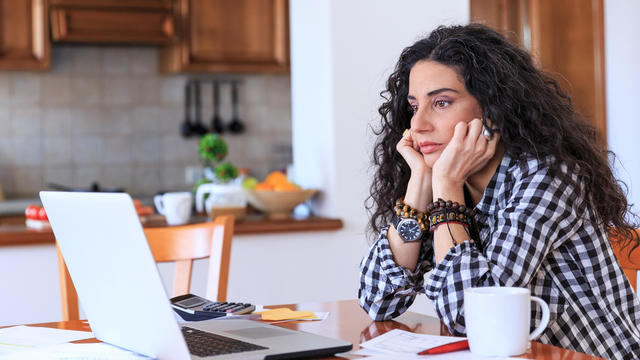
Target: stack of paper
(33, 342)
(26, 337)
(400, 344)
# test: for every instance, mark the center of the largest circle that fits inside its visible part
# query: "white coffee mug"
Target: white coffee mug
(175, 206)
(498, 320)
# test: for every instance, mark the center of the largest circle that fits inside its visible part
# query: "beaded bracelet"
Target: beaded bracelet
(445, 212)
(453, 205)
(406, 211)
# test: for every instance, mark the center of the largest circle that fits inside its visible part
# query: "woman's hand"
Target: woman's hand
(467, 153)
(410, 152)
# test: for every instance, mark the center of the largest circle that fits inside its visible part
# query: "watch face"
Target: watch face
(409, 229)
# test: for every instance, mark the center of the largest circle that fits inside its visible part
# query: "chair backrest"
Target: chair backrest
(179, 244)
(630, 262)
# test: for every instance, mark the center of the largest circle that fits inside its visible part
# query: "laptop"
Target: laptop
(117, 280)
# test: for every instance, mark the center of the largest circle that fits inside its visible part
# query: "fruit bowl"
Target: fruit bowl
(278, 204)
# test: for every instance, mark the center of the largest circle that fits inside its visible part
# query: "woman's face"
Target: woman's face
(439, 100)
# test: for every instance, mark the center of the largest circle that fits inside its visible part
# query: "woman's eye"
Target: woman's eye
(413, 108)
(442, 103)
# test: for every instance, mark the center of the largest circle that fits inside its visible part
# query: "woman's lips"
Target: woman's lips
(427, 147)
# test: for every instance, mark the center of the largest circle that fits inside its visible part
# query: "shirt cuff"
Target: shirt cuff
(398, 275)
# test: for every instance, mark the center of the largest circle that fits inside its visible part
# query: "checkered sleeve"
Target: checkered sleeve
(387, 289)
(537, 214)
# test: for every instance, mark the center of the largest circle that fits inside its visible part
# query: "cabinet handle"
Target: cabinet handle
(168, 27)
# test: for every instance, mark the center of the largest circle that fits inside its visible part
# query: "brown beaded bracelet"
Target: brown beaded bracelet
(406, 211)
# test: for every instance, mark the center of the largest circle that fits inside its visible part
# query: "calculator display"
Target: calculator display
(191, 302)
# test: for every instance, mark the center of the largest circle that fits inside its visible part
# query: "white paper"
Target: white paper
(24, 337)
(93, 351)
(404, 342)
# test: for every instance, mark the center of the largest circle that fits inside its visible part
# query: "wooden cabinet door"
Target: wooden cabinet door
(230, 36)
(24, 35)
(112, 21)
(565, 38)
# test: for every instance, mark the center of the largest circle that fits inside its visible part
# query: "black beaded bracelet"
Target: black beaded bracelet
(453, 205)
(442, 216)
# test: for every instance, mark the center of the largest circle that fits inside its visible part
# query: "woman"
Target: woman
(488, 131)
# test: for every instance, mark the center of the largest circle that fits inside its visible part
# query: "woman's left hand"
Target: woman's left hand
(467, 152)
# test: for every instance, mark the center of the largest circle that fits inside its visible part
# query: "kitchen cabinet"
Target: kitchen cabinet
(112, 21)
(24, 35)
(229, 36)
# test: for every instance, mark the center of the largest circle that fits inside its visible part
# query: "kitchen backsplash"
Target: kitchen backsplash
(105, 114)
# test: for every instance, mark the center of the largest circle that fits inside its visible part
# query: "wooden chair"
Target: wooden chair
(179, 244)
(630, 262)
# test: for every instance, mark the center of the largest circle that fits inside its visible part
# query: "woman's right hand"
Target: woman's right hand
(419, 193)
(419, 188)
(410, 151)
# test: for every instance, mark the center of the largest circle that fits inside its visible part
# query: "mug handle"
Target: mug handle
(157, 200)
(545, 318)
(200, 198)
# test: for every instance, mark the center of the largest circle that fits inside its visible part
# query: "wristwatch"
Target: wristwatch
(408, 228)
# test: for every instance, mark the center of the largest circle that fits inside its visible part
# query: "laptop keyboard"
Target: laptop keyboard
(202, 343)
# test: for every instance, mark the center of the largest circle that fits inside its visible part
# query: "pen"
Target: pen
(454, 346)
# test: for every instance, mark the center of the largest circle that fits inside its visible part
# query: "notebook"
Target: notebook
(117, 280)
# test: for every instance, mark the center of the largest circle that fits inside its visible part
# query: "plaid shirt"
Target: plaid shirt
(534, 232)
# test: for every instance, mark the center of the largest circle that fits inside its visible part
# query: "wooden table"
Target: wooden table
(347, 321)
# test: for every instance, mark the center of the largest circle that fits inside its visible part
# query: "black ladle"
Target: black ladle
(198, 127)
(186, 129)
(236, 126)
(216, 122)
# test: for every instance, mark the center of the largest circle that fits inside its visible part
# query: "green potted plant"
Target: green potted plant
(217, 193)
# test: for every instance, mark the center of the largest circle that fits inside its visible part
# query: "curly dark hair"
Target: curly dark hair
(533, 115)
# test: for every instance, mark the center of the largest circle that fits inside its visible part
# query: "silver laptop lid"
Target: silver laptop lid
(114, 272)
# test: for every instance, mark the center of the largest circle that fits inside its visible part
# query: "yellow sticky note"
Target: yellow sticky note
(286, 314)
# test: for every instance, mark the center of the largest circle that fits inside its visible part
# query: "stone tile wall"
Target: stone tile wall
(105, 114)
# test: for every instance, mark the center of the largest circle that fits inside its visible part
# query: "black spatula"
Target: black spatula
(216, 122)
(236, 126)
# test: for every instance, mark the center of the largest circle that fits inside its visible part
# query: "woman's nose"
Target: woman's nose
(421, 121)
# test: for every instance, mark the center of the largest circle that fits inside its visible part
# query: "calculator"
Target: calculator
(193, 308)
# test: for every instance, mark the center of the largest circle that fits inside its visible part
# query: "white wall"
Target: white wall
(622, 51)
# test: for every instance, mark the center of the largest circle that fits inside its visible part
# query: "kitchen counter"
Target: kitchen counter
(21, 235)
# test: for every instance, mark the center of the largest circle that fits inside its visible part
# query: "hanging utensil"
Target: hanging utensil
(236, 126)
(198, 127)
(216, 122)
(186, 129)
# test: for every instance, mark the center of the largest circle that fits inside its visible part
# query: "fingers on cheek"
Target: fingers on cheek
(460, 131)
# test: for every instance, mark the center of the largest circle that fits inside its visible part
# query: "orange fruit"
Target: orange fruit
(276, 177)
(285, 187)
(263, 186)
